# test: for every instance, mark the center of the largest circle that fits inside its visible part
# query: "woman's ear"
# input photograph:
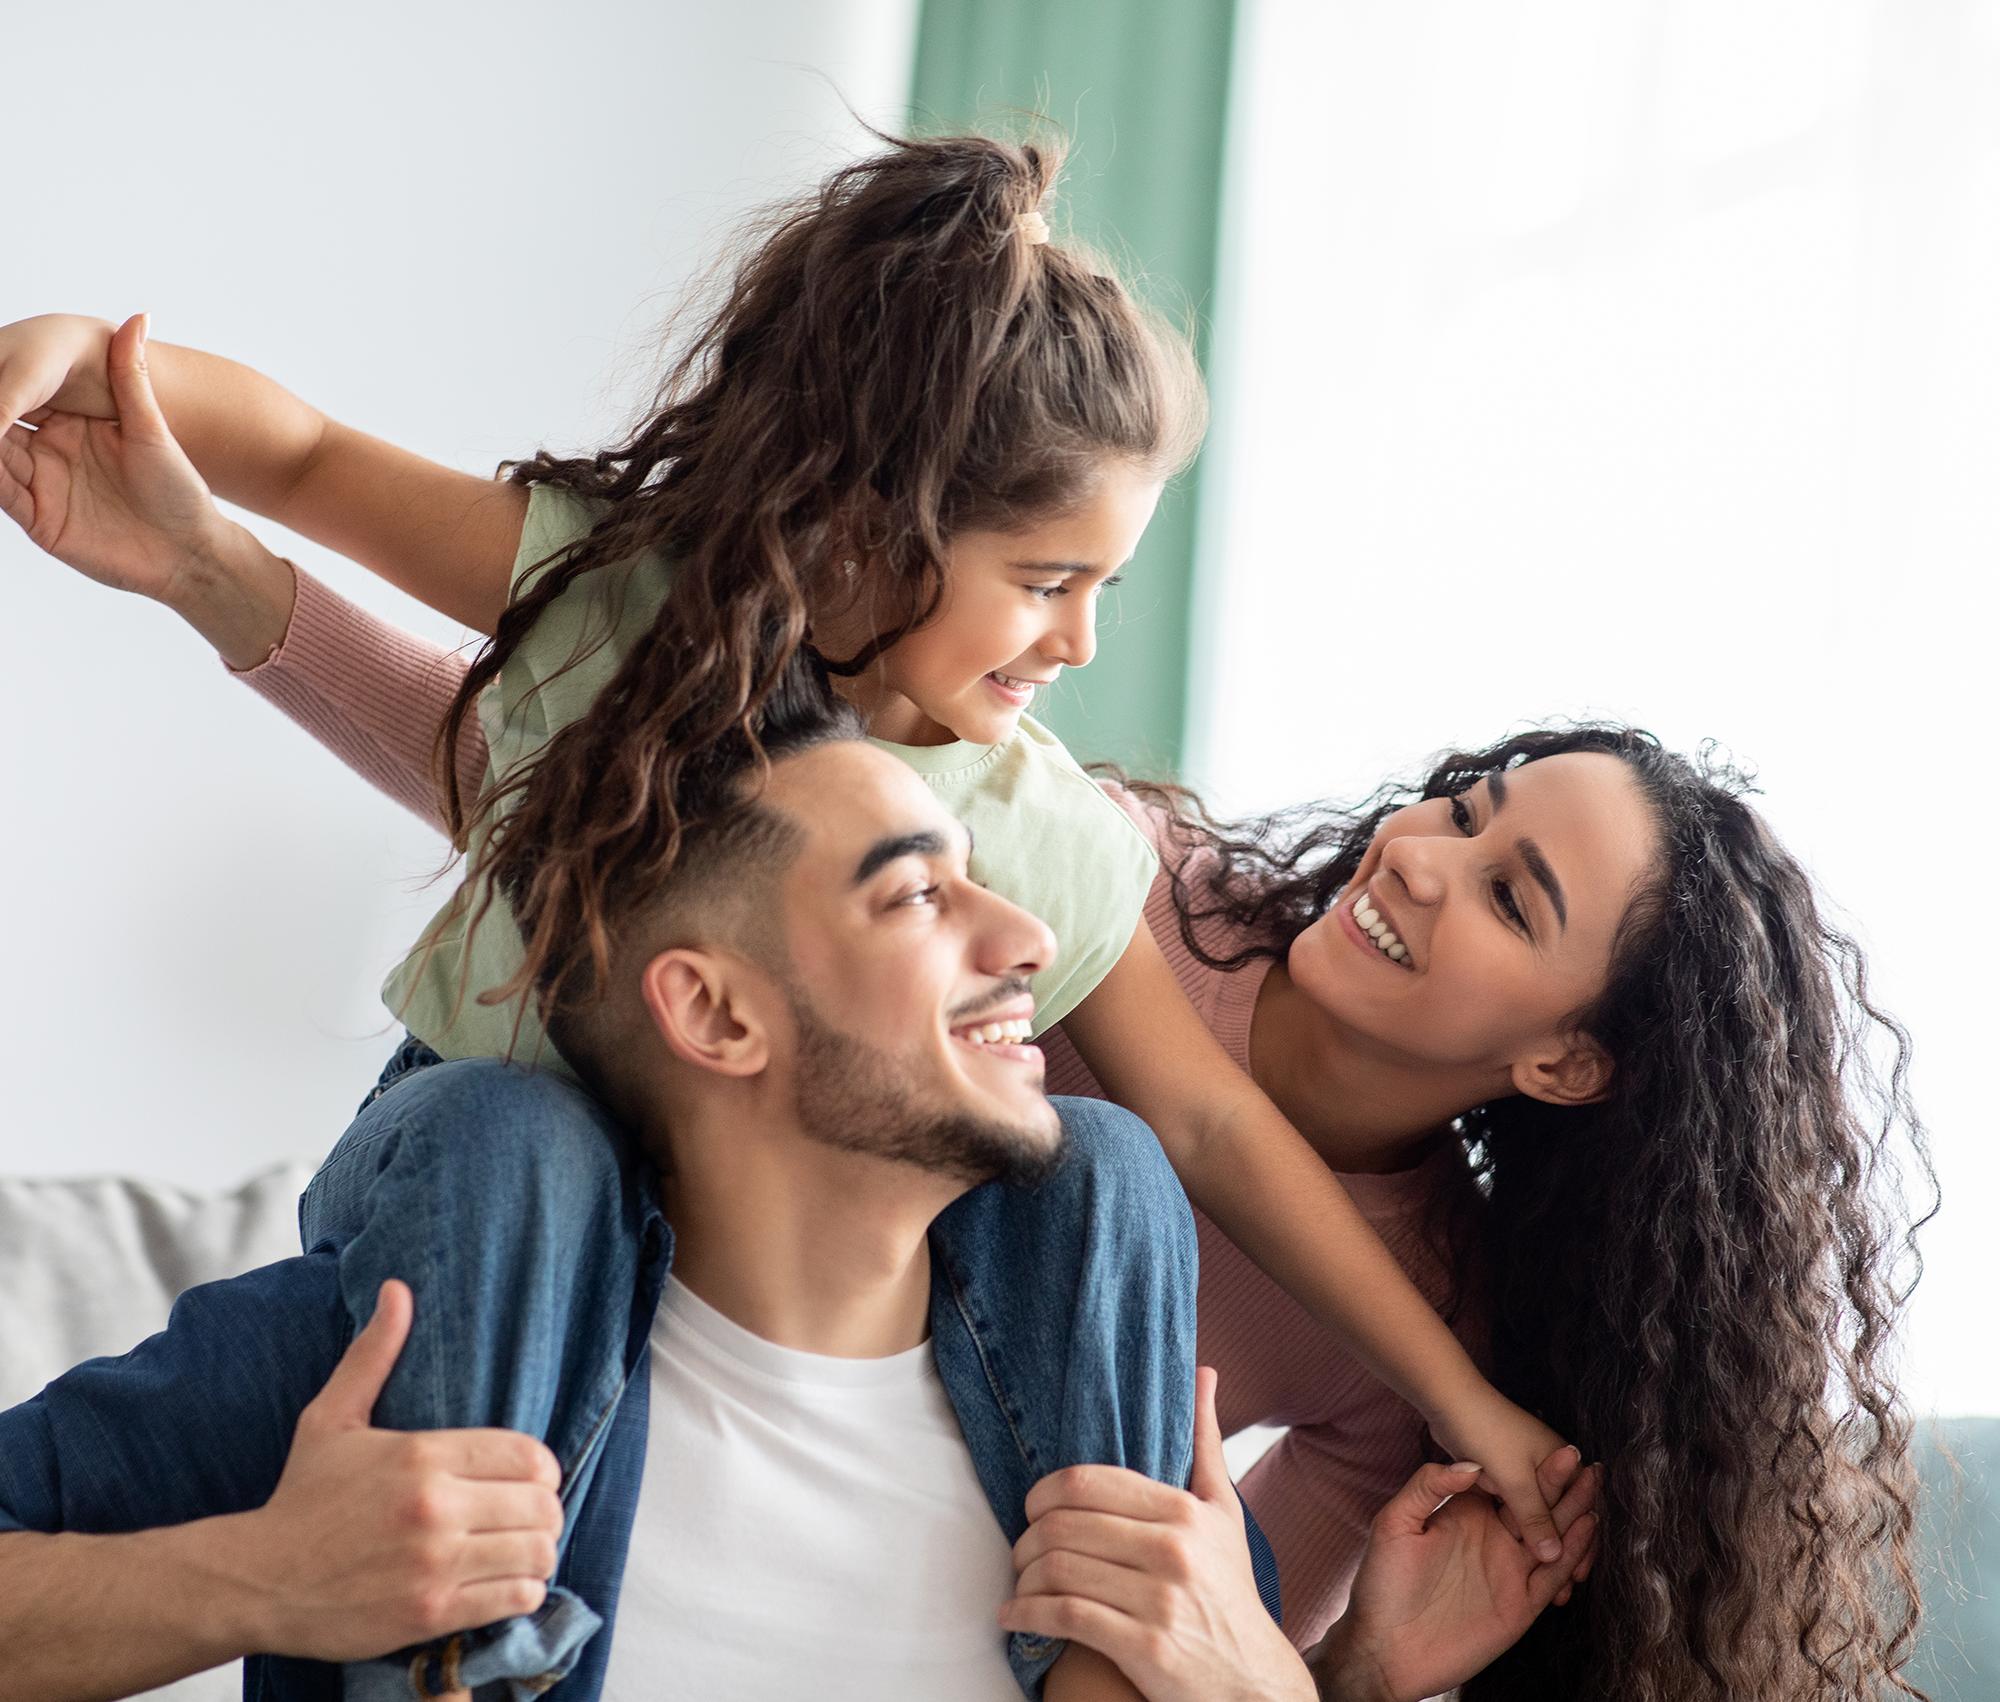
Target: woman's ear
(701, 1007)
(1574, 1070)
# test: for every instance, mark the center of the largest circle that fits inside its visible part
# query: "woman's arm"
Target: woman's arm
(372, 694)
(120, 502)
(448, 538)
(1266, 1189)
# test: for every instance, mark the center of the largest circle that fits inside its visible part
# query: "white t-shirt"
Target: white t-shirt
(807, 1526)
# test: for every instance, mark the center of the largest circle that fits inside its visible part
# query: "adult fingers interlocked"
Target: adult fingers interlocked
(375, 1539)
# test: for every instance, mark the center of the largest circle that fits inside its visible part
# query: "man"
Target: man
(817, 1477)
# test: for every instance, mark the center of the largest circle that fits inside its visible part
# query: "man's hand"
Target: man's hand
(1154, 1578)
(1444, 1587)
(375, 1539)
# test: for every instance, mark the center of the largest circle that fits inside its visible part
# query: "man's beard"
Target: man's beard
(860, 1098)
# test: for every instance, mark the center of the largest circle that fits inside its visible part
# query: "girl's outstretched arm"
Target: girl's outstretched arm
(446, 537)
(1245, 1166)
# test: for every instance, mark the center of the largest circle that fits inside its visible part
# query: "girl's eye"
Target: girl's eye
(1503, 893)
(1461, 817)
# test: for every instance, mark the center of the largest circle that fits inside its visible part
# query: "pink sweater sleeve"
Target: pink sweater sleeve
(373, 694)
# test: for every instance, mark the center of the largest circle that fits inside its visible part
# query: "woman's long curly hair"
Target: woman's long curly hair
(1697, 1279)
(900, 356)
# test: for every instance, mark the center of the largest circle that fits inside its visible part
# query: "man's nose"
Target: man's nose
(1012, 941)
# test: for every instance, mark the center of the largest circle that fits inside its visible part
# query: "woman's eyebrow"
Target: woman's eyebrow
(1531, 857)
(1545, 877)
(1065, 568)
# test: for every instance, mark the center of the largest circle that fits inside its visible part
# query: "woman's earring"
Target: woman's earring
(850, 568)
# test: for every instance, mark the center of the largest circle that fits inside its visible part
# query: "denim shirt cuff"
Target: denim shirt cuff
(529, 1654)
(1031, 1658)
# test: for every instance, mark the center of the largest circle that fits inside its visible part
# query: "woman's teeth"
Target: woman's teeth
(1013, 684)
(1378, 930)
(996, 1033)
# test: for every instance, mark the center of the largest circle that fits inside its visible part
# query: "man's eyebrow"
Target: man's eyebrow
(925, 843)
(885, 851)
(1531, 857)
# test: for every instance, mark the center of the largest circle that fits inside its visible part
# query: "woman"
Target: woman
(1619, 1119)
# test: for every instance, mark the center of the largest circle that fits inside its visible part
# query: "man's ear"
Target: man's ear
(703, 1008)
(1572, 1070)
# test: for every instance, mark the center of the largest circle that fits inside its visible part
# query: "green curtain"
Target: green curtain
(1141, 87)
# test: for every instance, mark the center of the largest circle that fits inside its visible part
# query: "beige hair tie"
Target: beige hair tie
(1034, 228)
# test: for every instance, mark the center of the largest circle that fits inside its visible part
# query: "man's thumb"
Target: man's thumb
(131, 388)
(349, 1397)
(1209, 1479)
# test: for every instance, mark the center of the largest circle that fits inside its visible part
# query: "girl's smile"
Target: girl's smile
(1019, 607)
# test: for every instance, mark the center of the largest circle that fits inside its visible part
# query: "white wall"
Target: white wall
(457, 227)
(1641, 357)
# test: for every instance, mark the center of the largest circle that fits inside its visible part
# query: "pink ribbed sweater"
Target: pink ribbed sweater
(375, 696)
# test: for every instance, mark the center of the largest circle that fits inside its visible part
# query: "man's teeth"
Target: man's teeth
(1011, 1033)
(1378, 930)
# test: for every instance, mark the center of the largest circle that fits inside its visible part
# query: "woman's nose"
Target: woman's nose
(1072, 641)
(1418, 861)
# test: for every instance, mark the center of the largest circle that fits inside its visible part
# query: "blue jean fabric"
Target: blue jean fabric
(1062, 1317)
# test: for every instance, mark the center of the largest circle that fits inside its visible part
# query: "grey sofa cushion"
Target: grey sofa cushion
(91, 1267)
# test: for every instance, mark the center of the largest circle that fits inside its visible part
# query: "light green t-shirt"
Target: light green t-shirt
(1044, 835)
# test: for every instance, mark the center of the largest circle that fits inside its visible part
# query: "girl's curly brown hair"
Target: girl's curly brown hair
(902, 356)
(1697, 1280)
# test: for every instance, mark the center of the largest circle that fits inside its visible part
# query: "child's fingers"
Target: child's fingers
(1531, 1513)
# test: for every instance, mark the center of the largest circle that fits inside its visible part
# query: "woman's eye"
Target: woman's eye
(1503, 893)
(1461, 817)
(1046, 592)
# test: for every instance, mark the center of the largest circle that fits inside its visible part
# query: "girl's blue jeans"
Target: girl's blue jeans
(515, 1209)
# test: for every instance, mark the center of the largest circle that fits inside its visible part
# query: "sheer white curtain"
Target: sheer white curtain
(1639, 357)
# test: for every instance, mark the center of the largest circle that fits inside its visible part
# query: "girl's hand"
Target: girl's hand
(1155, 1579)
(55, 360)
(114, 498)
(1444, 1590)
(1512, 1444)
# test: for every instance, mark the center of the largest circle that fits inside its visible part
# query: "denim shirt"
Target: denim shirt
(198, 1420)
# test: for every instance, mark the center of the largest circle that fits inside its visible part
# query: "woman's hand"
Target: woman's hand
(55, 360)
(118, 501)
(1155, 1579)
(114, 498)
(1444, 1588)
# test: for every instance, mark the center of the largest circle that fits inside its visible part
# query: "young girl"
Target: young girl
(919, 436)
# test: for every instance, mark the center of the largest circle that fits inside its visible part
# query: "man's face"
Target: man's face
(910, 996)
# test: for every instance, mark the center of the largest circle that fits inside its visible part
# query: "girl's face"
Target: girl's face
(1477, 924)
(1019, 607)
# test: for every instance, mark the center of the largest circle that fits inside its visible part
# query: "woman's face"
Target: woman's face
(1019, 607)
(1497, 908)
